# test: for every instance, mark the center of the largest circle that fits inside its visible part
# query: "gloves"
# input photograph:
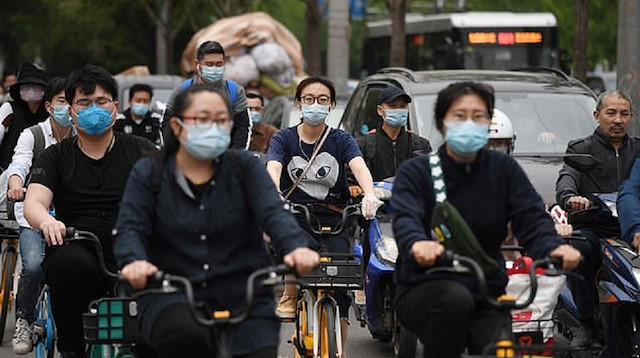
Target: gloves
(370, 204)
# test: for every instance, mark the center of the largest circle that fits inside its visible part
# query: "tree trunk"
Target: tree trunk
(581, 8)
(398, 10)
(164, 42)
(314, 56)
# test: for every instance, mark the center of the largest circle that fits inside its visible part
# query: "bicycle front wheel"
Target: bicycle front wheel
(328, 325)
(6, 286)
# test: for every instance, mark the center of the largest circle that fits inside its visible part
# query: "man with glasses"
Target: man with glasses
(84, 179)
(210, 61)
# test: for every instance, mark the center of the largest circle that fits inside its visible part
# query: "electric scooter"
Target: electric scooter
(378, 314)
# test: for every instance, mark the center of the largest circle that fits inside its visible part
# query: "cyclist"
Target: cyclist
(30, 144)
(488, 189)
(307, 164)
(202, 222)
(84, 177)
(139, 119)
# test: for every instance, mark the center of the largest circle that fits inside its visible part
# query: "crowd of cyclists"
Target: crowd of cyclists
(181, 194)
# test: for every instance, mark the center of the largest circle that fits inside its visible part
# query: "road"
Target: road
(359, 345)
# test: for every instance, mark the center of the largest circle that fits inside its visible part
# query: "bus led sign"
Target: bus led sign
(505, 38)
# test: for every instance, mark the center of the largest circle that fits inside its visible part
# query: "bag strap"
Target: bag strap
(313, 157)
(232, 88)
(437, 178)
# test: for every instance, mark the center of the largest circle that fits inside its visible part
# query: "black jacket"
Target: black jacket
(615, 166)
(15, 123)
(149, 127)
(383, 155)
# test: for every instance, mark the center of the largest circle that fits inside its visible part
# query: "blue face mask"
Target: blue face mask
(212, 74)
(94, 120)
(140, 109)
(61, 114)
(315, 114)
(255, 116)
(396, 117)
(466, 138)
(206, 143)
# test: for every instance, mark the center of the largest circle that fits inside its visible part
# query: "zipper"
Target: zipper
(617, 167)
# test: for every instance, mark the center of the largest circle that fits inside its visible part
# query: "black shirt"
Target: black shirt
(86, 191)
(148, 128)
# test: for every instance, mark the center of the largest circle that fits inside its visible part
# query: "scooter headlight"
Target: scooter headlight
(387, 250)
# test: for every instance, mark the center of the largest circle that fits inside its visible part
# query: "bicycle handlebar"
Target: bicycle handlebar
(73, 235)
(167, 282)
(348, 211)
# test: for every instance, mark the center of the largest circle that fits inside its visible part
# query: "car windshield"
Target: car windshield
(544, 122)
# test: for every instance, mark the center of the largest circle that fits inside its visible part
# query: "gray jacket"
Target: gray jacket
(615, 166)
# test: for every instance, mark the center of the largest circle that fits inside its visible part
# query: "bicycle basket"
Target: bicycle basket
(340, 271)
(112, 320)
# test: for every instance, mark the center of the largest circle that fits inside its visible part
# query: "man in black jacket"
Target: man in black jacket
(139, 119)
(391, 144)
(616, 151)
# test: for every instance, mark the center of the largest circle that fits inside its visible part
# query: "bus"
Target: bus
(468, 40)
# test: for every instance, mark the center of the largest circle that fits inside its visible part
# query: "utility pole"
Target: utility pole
(338, 45)
(628, 57)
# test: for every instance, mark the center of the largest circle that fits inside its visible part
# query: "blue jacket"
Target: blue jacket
(488, 193)
(628, 203)
(215, 242)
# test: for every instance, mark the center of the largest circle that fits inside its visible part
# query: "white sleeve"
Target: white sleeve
(5, 111)
(22, 155)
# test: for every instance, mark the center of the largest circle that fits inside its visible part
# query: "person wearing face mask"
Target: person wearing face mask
(139, 119)
(84, 178)
(217, 200)
(307, 163)
(488, 189)
(9, 77)
(261, 133)
(31, 143)
(384, 148)
(210, 62)
(24, 110)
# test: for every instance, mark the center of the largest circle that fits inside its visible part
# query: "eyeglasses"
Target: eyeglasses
(204, 122)
(86, 102)
(309, 99)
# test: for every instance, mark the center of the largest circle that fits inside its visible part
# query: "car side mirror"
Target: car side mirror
(582, 162)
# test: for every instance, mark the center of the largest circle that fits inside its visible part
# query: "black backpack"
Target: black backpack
(38, 148)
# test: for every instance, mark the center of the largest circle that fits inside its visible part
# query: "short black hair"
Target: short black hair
(254, 95)
(9, 72)
(208, 47)
(140, 87)
(54, 87)
(86, 80)
(451, 93)
(310, 80)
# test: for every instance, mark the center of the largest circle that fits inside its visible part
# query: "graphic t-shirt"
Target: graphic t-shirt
(325, 181)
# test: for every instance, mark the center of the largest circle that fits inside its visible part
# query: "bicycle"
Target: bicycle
(10, 236)
(44, 328)
(504, 342)
(219, 321)
(318, 332)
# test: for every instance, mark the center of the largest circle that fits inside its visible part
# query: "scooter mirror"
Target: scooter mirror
(582, 162)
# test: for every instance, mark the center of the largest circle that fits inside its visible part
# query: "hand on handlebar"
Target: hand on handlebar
(302, 259)
(578, 203)
(570, 257)
(370, 205)
(53, 231)
(137, 273)
(16, 194)
(564, 230)
(426, 252)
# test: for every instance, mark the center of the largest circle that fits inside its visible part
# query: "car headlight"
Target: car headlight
(387, 250)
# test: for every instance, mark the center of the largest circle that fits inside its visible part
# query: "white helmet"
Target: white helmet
(502, 136)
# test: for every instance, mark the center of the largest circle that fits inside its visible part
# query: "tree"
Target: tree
(313, 17)
(581, 8)
(398, 9)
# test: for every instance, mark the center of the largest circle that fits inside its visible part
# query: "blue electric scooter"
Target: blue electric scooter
(377, 245)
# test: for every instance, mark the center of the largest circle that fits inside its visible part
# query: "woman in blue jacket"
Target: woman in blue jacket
(204, 220)
(488, 189)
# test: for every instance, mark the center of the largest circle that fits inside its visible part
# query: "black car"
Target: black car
(547, 109)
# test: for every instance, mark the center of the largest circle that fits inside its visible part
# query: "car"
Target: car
(547, 109)
(163, 86)
(600, 81)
